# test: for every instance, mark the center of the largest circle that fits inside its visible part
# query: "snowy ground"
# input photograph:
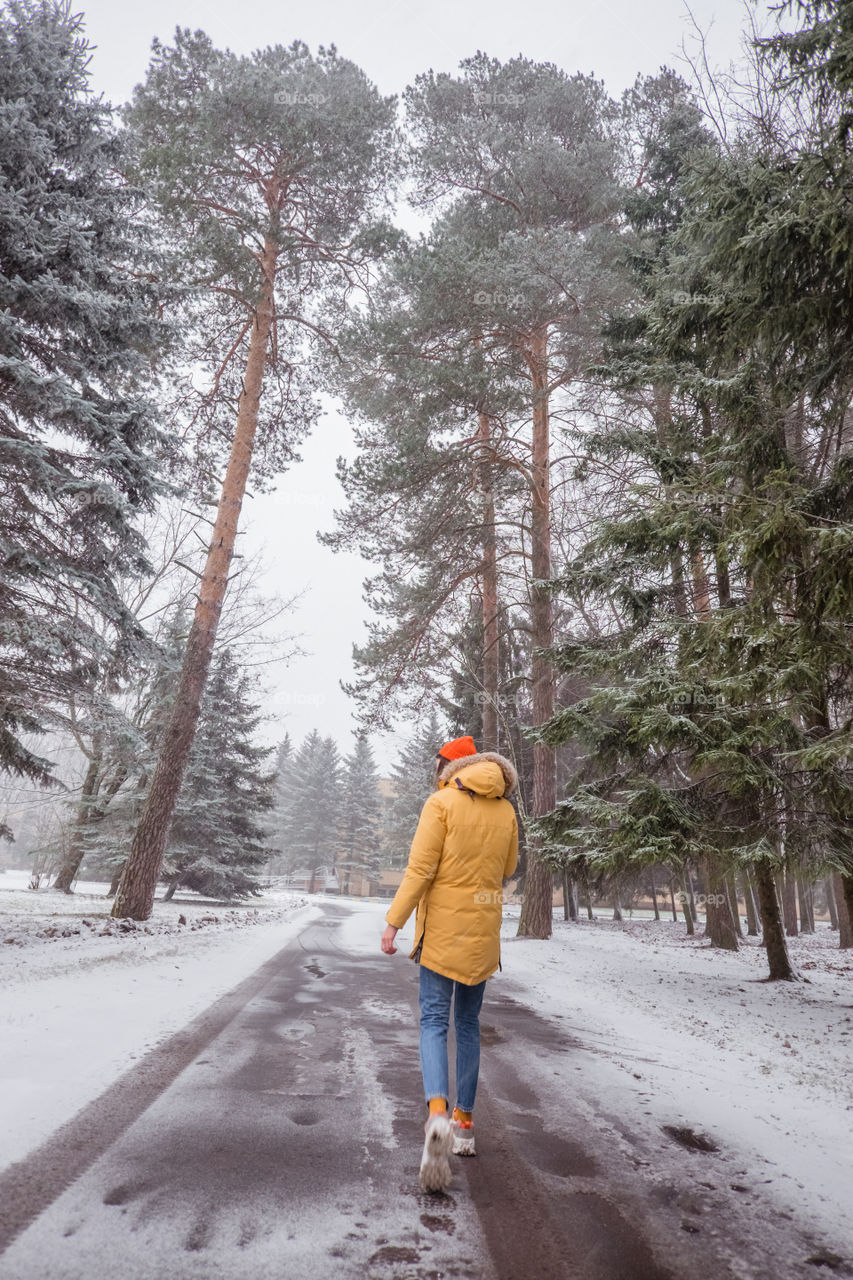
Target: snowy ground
(669, 1030)
(82, 996)
(682, 1034)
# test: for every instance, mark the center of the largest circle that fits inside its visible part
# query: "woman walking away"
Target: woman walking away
(464, 848)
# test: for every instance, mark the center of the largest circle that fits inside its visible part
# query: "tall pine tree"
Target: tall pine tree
(267, 171)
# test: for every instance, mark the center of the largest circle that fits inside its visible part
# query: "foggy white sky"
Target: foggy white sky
(393, 41)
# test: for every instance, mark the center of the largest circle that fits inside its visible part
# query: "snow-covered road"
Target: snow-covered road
(679, 1034)
(288, 1146)
(81, 1006)
(278, 1133)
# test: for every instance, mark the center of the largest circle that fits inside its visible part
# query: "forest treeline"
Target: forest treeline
(602, 408)
(249, 816)
(334, 817)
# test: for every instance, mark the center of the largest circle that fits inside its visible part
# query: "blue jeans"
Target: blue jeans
(435, 994)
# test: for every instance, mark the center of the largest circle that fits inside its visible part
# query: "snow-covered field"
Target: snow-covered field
(83, 996)
(682, 1034)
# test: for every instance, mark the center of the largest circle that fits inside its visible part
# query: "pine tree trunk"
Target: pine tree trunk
(67, 873)
(564, 877)
(489, 594)
(734, 909)
(672, 899)
(536, 909)
(691, 894)
(617, 902)
(590, 915)
(710, 906)
(663, 427)
(829, 894)
(721, 568)
(729, 922)
(751, 906)
(721, 927)
(689, 917)
(804, 898)
(701, 593)
(788, 893)
(171, 887)
(135, 896)
(781, 969)
(654, 894)
(844, 906)
(114, 883)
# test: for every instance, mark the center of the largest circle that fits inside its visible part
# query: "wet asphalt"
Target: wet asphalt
(278, 1138)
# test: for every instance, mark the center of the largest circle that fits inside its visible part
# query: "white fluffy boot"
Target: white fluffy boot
(435, 1172)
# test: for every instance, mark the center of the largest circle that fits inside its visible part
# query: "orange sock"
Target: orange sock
(437, 1104)
(466, 1117)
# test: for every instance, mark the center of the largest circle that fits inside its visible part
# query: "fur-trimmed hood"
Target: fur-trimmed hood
(487, 774)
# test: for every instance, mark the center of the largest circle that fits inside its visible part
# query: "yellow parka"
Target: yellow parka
(465, 845)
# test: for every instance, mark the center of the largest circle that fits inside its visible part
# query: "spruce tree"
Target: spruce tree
(218, 842)
(717, 722)
(310, 808)
(412, 780)
(360, 815)
(283, 761)
(78, 338)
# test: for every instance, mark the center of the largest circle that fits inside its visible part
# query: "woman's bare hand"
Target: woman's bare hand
(388, 940)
